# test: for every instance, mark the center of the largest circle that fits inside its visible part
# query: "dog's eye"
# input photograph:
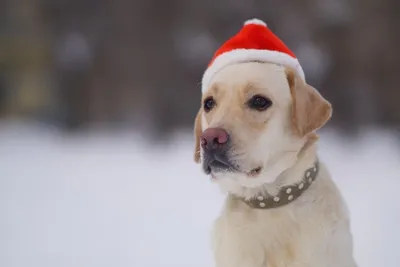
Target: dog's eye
(209, 103)
(259, 103)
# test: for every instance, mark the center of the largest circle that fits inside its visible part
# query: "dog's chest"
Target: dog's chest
(255, 238)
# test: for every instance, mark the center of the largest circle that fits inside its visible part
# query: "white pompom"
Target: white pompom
(255, 21)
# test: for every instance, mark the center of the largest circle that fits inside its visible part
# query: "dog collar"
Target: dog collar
(286, 194)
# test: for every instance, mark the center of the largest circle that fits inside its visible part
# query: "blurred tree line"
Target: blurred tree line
(79, 63)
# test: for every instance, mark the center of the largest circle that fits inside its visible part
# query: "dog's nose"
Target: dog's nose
(214, 138)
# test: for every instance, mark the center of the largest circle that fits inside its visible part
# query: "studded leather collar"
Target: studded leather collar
(286, 194)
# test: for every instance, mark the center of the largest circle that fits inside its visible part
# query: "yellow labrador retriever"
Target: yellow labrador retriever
(255, 137)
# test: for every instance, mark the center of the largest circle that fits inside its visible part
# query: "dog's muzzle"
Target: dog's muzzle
(215, 143)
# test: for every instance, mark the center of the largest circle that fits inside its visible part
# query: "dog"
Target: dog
(256, 138)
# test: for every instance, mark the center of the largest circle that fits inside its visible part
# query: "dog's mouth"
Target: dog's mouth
(217, 166)
(218, 163)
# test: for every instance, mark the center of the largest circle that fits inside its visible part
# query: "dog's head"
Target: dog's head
(253, 121)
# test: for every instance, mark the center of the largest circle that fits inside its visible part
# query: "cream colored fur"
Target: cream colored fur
(312, 231)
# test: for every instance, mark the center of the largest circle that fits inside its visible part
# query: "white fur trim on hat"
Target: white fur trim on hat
(255, 21)
(248, 55)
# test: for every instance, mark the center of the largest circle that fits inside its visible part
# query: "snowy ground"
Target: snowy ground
(114, 200)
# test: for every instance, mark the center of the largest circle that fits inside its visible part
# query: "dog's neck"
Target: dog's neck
(292, 173)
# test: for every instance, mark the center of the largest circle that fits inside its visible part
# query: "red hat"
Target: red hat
(255, 42)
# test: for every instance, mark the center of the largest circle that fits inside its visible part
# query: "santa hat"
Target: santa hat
(254, 42)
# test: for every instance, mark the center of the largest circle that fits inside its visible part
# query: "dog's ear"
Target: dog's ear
(310, 111)
(197, 134)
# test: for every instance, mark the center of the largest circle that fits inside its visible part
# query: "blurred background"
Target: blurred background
(97, 101)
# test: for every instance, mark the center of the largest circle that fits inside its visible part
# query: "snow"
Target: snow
(115, 200)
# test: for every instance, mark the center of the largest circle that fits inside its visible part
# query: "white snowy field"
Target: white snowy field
(115, 200)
